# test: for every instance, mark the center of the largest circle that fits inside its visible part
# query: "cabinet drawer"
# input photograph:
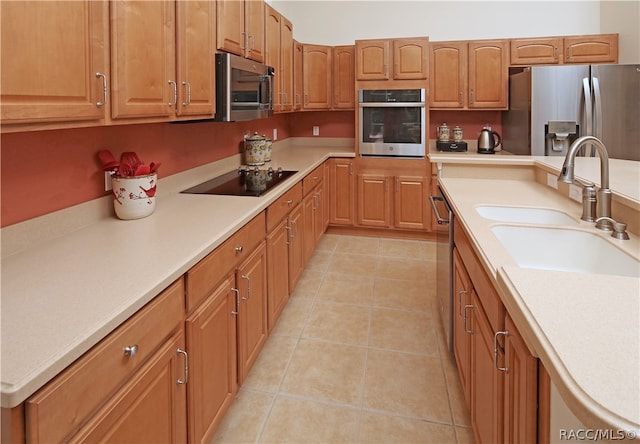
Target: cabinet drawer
(281, 207)
(312, 179)
(203, 277)
(66, 402)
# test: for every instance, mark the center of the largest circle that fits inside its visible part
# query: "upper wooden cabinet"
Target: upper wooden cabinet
(316, 71)
(398, 59)
(344, 77)
(558, 50)
(52, 54)
(469, 74)
(241, 28)
(297, 75)
(279, 54)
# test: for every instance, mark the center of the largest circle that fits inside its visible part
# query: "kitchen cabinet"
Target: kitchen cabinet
(148, 78)
(211, 341)
(241, 28)
(341, 192)
(344, 77)
(313, 207)
(410, 202)
(397, 59)
(279, 54)
(469, 75)
(316, 72)
(297, 76)
(374, 200)
(59, 73)
(142, 359)
(601, 48)
(461, 324)
(536, 51)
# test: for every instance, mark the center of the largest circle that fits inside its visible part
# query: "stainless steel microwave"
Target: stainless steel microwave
(392, 122)
(244, 89)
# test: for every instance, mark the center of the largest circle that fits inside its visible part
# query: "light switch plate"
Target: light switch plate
(316, 130)
(575, 193)
(275, 134)
(107, 181)
(552, 181)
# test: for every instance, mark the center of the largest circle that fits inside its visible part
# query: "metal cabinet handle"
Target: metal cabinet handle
(496, 346)
(350, 169)
(131, 350)
(186, 367)
(248, 279)
(441, 220)
(460, 98)
(471, 97)
(239, 249)
(465, 317)
(104, 89)
(289, 237)
(460, 293)
(175, 93)
(251, 40)
(237, 310)
(290, 202)
(244, 41)
(188, 85)
(295, 228)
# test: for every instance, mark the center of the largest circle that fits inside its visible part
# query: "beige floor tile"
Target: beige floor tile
(357, 245)
(342, 323)
(406, 384)
(309, 283)
(346, 288)
(319, 261)
(408, 249)
(302, 421)
(328, 242)
(268, 370)
(377, 428)
(409, 295)
(353, 264)
(245, 417)
(401, 268)
(401, 330)
(326, 371)
(465, 435)
(293, 317)
(459, 409)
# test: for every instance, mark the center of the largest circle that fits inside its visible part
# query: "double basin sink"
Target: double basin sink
(553, 240)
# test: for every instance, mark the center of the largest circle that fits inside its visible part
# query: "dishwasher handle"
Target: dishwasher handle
(440, 219)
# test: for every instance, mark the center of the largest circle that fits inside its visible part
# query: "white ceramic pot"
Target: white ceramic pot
(134, 197)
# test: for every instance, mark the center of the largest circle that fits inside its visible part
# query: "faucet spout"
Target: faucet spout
(604, 194)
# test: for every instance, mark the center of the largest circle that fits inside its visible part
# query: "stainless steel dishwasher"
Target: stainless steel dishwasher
(444, 262)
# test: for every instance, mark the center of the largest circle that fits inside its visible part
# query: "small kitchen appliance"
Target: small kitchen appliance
(451, 146)
(488, 141)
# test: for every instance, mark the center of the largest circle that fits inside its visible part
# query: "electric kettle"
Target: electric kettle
(488, 141)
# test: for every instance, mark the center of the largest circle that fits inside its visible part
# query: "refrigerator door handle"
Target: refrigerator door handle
(597, 107)
(587, 110)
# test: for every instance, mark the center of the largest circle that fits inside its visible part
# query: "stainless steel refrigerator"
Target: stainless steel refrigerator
(550, 106)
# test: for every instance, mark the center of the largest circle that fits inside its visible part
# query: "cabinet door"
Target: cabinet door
(286, 64)
(309, 223)
(344, 77)
(448, 75)
(591, 49)
(374, 200)
(212, 346)
(277, 271)
(297, 75)
(341, 191)
(230, 26)
(316, 61)
(296, 243)
(272, 53)
(372, 59)
(536, 51)
(196, 33)
(488, 74)
(410, 59)
(254, 26)
(143, 59)
(462, 312)
(52, 52)
(158, 390)
(410, 202)
(251, 280)
(521, 388)
(487, 382)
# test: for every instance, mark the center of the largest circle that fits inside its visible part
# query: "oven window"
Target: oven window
(392, 124)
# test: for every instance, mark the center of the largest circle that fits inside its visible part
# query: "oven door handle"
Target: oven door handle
(441, 220)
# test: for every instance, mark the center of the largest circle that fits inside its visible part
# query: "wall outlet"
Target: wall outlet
(275, 134)
(107, 181)
(552, 181)
(575, 193)
(316, 130)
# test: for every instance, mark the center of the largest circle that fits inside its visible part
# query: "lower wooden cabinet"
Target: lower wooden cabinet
(341, 192)
(461, 318)
(278, 241)
(374, 200)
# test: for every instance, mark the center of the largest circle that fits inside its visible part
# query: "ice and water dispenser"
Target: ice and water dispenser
(558, 137)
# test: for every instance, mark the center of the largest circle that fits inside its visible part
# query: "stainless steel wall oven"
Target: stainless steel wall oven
(392, 122)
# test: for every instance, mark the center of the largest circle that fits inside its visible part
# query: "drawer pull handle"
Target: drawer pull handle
(496, 348)
(186, 367)
(131, 350)
(239, 249)
(465, 317)
(290, 202)
(237, 310)
(248, 279)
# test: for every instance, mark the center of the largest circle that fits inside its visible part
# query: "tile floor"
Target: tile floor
(357, 355)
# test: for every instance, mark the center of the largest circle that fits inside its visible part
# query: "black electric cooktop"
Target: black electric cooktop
(245, 181)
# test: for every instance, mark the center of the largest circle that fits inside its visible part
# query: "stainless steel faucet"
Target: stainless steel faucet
(604, 194)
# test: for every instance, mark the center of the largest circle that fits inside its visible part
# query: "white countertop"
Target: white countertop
(62, 294)
(585, 328)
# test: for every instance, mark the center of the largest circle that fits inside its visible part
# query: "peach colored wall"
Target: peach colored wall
(471, 122)
(45, 171)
